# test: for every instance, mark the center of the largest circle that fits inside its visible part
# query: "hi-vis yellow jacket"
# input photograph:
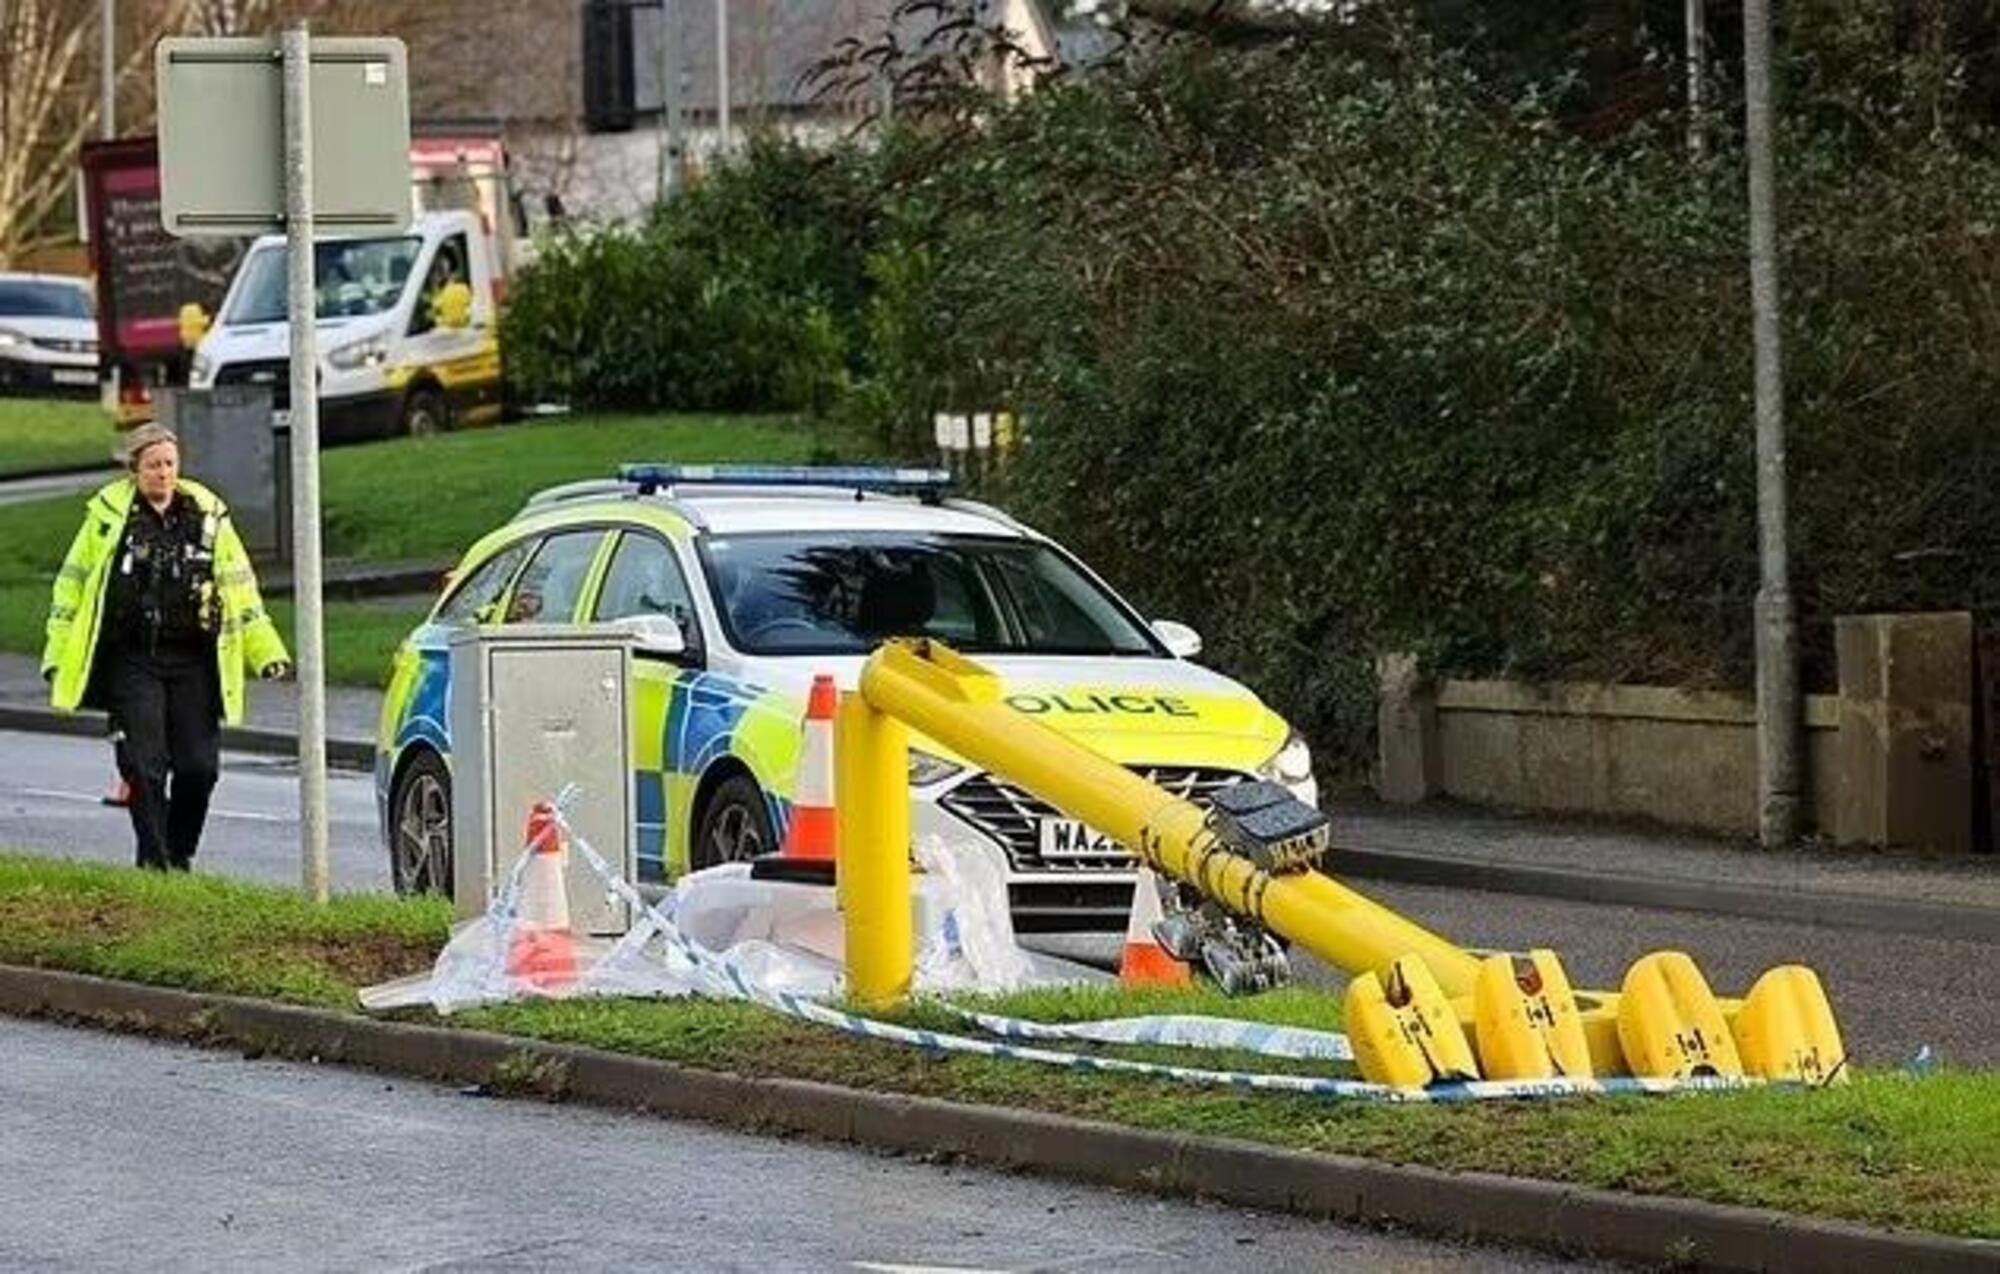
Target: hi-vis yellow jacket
(248, 640)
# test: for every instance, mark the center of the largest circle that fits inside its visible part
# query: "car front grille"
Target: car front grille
(273, 373)
(62, 345)
(1013, 818)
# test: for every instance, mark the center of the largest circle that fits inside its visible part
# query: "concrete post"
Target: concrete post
(1906, 740)
(1406, 729)
(308, 638)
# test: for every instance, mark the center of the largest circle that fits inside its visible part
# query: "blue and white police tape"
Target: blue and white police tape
(1180, 1030)
(728, 976)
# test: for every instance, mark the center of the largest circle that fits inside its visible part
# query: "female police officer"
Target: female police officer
(155, 618)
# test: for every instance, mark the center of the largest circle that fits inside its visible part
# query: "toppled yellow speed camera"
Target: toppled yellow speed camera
(1269, 826)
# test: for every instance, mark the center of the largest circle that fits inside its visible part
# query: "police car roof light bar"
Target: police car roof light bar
(930, 485)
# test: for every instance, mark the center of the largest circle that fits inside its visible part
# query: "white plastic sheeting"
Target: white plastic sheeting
(722, 934)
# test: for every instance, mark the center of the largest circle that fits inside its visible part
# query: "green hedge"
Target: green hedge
(1333, 352)
(727, 300)
(1336, 354)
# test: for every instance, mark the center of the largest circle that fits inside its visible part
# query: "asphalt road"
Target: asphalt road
(122, 1154)
(50, 800)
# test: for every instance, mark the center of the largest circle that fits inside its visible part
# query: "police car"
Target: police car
(772, 575)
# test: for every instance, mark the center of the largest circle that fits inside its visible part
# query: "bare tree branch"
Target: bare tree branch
(46, 106)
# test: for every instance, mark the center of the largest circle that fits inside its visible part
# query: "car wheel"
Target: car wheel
(420, 827)
(735, 824)
(424, 413)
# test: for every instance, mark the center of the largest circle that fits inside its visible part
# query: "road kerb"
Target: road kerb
(1548, 1215)
(341, 754)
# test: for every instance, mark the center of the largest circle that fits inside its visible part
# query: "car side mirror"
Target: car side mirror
(655, 634)
(1181, 641)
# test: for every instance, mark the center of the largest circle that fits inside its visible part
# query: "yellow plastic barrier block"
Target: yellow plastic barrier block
(1525, 1020)
(1403, 1030)
(1786, 1031)
(1669, 1023)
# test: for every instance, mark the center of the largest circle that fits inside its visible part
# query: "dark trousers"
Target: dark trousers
(167, 707)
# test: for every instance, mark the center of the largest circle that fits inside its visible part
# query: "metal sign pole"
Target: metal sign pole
(107, 69)
(722, 79)
(671, 61)
(300, 262)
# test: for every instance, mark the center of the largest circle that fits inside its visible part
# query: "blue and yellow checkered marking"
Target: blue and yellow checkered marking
(684, 721)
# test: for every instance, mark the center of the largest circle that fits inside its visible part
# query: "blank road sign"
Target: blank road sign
(222, 135)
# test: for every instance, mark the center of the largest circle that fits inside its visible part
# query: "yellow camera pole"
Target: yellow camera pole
(1785, 1028)
(954, 701)
(872, 786)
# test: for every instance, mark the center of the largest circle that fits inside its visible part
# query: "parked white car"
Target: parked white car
(48, 336)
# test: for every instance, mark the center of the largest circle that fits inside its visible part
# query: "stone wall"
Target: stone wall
(1890, 758)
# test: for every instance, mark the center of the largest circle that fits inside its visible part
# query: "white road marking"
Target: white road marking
(880, 1268)
(82, 798)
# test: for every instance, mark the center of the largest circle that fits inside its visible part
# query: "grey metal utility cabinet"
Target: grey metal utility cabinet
(534, 708)
(229, 442)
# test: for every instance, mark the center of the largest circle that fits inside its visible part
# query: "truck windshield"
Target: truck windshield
(825, 594)
(352, 277)
(32, 298)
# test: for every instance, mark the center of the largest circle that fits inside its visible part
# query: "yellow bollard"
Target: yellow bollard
(873, 879)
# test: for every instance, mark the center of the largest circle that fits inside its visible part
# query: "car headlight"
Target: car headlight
(926, 769)
(10, 338)
(1291, 765)
(370, 352)
(200, 369)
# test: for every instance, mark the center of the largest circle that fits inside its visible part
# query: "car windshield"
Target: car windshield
(800, 594)
(352, 277)
(32, 298)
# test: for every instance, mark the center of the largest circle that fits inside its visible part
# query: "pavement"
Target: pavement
(21, 489)
(272, 707)
(1954, 896)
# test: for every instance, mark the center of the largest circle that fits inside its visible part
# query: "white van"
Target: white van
(392, 359)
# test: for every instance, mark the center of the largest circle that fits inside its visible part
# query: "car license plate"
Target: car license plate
(1067, 838)
(72, 376)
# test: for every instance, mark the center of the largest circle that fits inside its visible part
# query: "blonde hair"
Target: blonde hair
(144, 436)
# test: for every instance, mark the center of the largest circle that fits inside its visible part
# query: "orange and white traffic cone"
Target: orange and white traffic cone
(542, 949)
(811, 838)
(1146, 962)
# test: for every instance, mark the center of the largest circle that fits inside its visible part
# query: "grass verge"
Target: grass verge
(38, 433)
(1886, 1150)
(419, 499)
(472, 481)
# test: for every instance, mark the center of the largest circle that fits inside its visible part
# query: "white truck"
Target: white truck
(408, 328)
